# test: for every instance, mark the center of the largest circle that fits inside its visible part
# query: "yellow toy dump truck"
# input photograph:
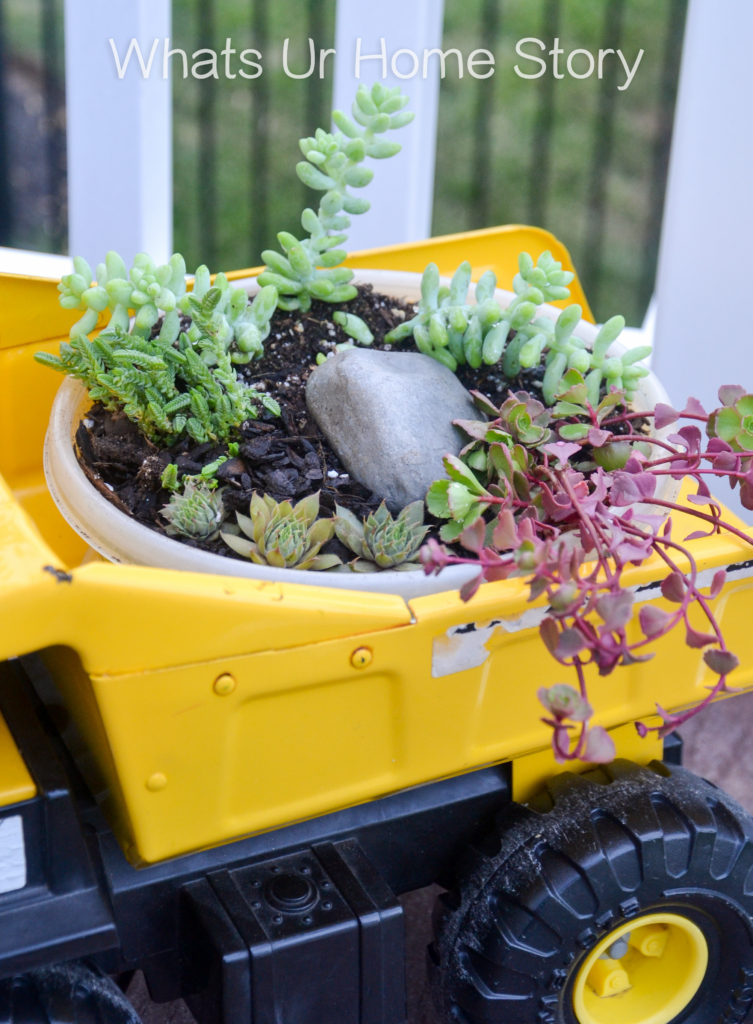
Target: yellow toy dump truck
(228, 783)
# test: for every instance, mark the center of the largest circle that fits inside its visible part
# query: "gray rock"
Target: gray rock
(388, 416)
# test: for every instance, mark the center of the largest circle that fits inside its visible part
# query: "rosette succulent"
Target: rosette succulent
(382, 541)
(733, 421)
(282, 534)
(524, 418)
(195, 512)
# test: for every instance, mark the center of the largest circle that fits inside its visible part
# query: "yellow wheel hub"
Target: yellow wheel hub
(644, 972)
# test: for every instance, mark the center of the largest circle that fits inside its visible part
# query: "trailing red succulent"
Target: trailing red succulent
(571, 515)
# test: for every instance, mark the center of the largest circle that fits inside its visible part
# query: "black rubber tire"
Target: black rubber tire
(70, 993)
(592, 852)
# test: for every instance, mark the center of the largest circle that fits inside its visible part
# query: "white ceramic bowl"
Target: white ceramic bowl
(121, 539)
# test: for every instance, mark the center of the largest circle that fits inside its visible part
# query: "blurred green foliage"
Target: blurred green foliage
(541, 150)
(581, 158)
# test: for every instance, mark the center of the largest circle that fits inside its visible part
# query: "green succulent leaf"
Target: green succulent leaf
(195, 512)
(334, 164)
(383, 541)
(733, 423)
(174, 384)
(283, 535)
(353, 326)
(458, 472)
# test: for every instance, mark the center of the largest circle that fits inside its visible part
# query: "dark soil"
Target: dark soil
(286, 457)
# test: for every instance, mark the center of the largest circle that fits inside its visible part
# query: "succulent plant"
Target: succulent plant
(620, 372)
(557, 342)
(282, 534)
(563, 701)
(195, 512)
(566, 352)
(733, 421)
(353, 326)
(447, 326)
(494, 462)
(309, 268)
(145, 290)
(167, 389)
(172, 383)
(525, 419)
(571, 522)
(455, 331)
(383, 541)
(172, 481)
(535, 283)
(224, 320)
(463, 496)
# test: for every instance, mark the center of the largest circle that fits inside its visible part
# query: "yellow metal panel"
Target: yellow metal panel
(31, 493)
(31, 312)
(95, 608)
(531, 772)
(15, 782)
(21, 552)
(28, 389)
(285, 734)
(300, 733)
(130, 618)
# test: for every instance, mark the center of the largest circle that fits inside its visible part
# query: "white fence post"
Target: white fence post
(402, 191)
(702, 341)
(119, 130)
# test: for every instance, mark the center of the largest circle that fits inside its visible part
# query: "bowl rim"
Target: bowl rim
(119, 538)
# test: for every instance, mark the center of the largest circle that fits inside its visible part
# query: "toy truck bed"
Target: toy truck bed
(211, 708)
(268, 766)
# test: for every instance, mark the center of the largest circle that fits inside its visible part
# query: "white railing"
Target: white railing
(703, 336)
(33, 264)
(119, 119)
(707, 230)
(118, 131)
(368, 38)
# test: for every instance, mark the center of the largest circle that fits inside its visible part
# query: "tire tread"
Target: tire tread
(589, 851)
